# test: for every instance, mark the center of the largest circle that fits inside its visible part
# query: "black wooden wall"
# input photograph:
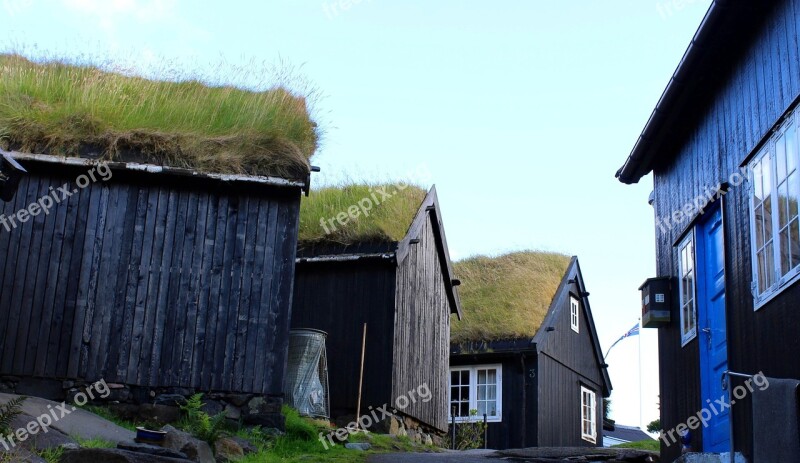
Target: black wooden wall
(566, 360)
(422, 330)
(338, 298)
(150, 280)
(750, 98)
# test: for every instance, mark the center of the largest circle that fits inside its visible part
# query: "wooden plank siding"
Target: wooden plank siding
(149, 280)
(559, 405)
(749, 100)
(339, 298)
(422, 330)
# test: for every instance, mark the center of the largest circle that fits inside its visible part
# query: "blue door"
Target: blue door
(712, 332)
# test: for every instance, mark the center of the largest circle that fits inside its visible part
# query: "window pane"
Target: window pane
(794, 194)
(769, 265)
(785, 260)
(465, 377)
(454, 394)
(758, 182)
(492, 406)
(463, 410)
(481, 409)
(783, 204)
(454, 377)
(481, 392)
(492, 377)
(767, 219)
(759, 226)
(791, 149)
(767, 176)
(794, 232)
(780, 154)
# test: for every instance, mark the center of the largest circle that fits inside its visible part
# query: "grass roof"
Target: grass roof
(75, 110)
(506, 297)
(368, 213)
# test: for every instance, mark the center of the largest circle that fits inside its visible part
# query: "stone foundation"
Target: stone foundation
(157, 405)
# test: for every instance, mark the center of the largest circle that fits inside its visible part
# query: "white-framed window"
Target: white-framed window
(774, 224)
(686, 288)
(479, 388)
(588, 415)
(574, 314)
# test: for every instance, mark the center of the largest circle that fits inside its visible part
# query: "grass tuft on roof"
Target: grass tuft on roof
(66, 109)
(506, 297)
(354, 213)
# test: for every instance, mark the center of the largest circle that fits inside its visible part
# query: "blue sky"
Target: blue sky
(519, 111)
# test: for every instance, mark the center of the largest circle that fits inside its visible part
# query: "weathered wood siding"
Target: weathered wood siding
(339, 298)
(566, 360)
(422, 331)
(149, 280)
(751, 96)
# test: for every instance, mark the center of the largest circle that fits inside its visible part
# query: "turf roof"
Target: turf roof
(370, 213)
(506, 297)
(74, 110)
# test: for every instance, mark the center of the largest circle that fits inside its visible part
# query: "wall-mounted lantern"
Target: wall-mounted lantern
(656, 302)
(10, 174)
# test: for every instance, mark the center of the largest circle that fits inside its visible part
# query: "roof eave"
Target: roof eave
(642, 157)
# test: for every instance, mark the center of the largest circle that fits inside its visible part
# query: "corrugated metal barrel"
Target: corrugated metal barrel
(307, 373)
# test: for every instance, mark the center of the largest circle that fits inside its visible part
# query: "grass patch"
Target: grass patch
(50, 455)
(652, 445)
(58, 107)
(94, 443)
(388, 219)
(506, 297)
(107, 414)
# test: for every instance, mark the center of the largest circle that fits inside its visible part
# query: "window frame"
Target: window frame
(590, 437)
(687, 335)
(769, 154)
(473, 393)
(575, 314)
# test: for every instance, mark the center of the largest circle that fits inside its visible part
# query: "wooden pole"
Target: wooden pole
(361, 375)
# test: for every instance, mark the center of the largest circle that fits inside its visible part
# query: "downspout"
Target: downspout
(524, 390)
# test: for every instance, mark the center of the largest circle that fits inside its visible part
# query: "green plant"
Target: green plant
(94, 443)
(654, 426)
(51, 455)
(201, 424)
(469, 435)
(9, 411)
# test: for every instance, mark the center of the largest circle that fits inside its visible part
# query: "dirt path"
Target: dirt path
(532, 455)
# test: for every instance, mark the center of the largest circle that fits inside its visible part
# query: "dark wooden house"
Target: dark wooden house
(538, 374)
(156, 279)
(403, 288)
(722, 145)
